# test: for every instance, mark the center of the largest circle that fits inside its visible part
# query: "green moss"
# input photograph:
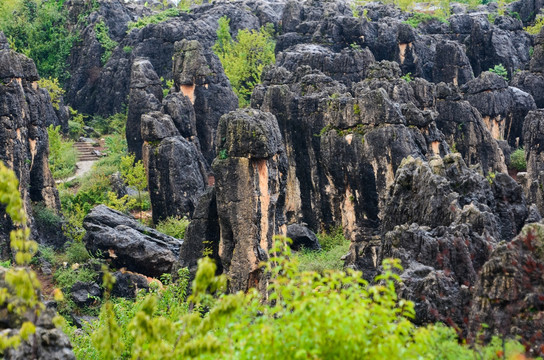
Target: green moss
(356, 109)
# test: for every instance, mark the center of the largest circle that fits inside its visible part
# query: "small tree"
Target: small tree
(244, 58)
(134, 175)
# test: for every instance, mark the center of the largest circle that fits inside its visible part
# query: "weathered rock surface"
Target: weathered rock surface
(509, 292)
(533, 137)
(175, 167)
(85, 293)
(127, 284)
(250, 174)
(129, 244)
(25, 112)
(145, 96)
(442, 221)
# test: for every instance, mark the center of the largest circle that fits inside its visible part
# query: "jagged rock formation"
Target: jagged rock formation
(25, 112)
(145, 96)
(532, 81)
(236, 220)
(250, 174)
(442, 220)
(128, 243)
(533, 137)
(49, 342)
(509, 292)
(302, 237)
(176, 170)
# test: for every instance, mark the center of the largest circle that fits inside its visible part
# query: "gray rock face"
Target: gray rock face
(128, 243)
(175, 168)
(250, 174)
(302, 238)
(145, 96)
(25, 112)
(508, 292)
(198, 75)
(503, 108)
(127, 284)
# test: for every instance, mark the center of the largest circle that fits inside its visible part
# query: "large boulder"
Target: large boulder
(127, 243)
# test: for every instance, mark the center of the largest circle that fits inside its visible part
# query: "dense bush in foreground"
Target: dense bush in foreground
(306, 315)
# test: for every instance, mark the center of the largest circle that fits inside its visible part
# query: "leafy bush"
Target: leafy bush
(517, 160)
(333, 246)
(76, 124)
(62, 155)
(66, 277)
(134, 175)
(174, 227)
(5, 264)
(307, 315)
(537, 26)
(76, 252)
(153, 19)
(244, 58)
(38, 29)
(54, 89)
(115, 124)
(103, 36)
(46, 217)
(185, 5)
(500, 70)
(419, 18)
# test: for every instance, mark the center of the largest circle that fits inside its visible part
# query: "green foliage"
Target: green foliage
(134, 175)
(66, 277)
(46, 253)
(306, 315)
(153, 19)
(123, 204)
(54, 89)
(115, 124)
(408, 77)
(173, 226)
(167, 85)
(333, 246)
(20, 295)
(500, 70)
(75, 124)
(223, 154)
(38, 29)
(76, 253)
(517, 160)
(46, 217)
(185, 5)
(102, 33)
(5, 264)
(419, 18)
(537, 26)
(62, 155)
(127, 49)
(491, 177)
(244, 58)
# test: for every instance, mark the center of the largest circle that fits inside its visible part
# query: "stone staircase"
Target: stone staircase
(85, 151)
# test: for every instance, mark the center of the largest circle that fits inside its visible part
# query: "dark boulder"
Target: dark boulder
(127, 284)
(85, 294)
(302, 238)
(127, 243)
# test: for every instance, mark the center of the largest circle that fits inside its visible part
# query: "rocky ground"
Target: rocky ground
(396, 133)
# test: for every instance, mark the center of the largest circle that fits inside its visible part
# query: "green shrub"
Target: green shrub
(517, 160)
(133, 172)
(47, 253)
(185, 5)
(76, 252)
(333, 246)
(103, 36)
(54, 89)
(422, 18)
(244, 58)
(76, 124)
(127, 49)
(153, 19)
(5, 264)
(537, 26)
(39, 29)
(46, 217)
(174, 227)
(306, 315)
(115, 124)
(66, 277)
(500, 70)
(62, 155)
